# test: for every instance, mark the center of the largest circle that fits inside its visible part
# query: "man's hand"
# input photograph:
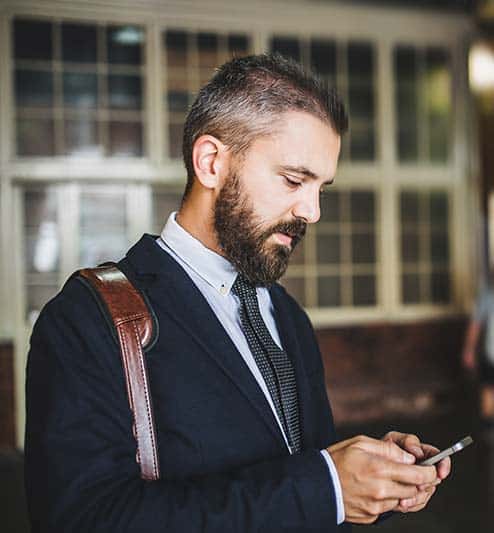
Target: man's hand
(412, 444)
(376, 475)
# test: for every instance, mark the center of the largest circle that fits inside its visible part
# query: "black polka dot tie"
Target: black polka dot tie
(273, 363)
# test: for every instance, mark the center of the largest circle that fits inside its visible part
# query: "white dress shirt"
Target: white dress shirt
(214, 276)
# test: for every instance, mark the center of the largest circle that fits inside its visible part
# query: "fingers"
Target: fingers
(417, 503)
(444, 468)
(407, 441)
(411, 474)
(387, 449)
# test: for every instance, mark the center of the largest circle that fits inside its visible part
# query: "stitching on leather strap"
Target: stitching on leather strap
(146, 395)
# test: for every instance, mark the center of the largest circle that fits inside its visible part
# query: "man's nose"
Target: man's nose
(308, 208)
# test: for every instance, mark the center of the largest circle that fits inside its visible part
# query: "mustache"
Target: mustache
(295, 228)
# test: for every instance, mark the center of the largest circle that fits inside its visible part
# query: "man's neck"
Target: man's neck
(200, 227)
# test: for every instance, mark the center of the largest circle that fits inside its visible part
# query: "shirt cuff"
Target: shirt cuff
(333, 474)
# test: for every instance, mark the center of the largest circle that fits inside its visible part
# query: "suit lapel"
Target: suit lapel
(288, 335)
(174, 293)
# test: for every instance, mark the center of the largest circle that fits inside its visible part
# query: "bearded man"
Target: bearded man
(243, 425)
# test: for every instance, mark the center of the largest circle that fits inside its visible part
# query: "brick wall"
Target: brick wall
(7, 424)
(381, 370)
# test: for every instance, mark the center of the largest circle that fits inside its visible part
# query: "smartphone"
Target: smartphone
(463, 443)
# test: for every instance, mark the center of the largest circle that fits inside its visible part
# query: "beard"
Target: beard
(243, 239)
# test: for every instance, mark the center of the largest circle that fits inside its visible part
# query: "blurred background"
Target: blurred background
(93, 96)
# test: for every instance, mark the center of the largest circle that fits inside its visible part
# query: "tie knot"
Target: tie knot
(243, 288)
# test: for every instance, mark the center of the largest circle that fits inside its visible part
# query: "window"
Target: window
(164, 201)
(78, 89)
(423, 104)
(425, 247)
(103, 225)
(336, 264)
(350, 68)
(190, 59)
(41, 247)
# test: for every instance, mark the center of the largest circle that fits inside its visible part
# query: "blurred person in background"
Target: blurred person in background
(478, 349)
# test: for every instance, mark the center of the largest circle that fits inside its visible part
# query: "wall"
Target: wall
(7, 418)
(384, 371)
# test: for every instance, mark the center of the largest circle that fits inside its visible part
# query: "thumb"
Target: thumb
(389, 450)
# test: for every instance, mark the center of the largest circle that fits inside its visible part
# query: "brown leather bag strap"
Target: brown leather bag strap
(134, 326)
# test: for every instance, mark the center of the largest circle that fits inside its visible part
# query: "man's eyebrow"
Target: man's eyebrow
(304, 171)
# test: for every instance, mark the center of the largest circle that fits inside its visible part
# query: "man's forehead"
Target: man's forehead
(299, 140)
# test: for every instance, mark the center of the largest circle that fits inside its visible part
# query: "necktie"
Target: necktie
(273, 363)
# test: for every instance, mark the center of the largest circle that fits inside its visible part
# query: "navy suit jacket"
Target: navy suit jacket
(224, 463)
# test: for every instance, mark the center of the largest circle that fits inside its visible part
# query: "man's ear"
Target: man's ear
(209, 157)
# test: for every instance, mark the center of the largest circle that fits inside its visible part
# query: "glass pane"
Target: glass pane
(440, 289)
(125, 139)
(79, 43)
(37, 296)
(178, 101)
(103, 226)
(35, 137)
(364, 290)
(328, 249)
(360, 60)
(323, 57)
(405, 64)
(42, 248)
(32, 39)
(409, 208)
(207, 44)
(80, 90)
(362, 146)
(41, 235)
(102, 211)
(175, 132)
(286, 46)
(361, 100)
(33, 88)
(176, 47)
(330, 207)
(407, 145)
(125, 92)
(439, 209)
(329, 291)
(439, 248)
(363, 248)
(177, 81)
(81, 138)
(407, 98)
(437, 96)
(410, 288)
(98, 248)
(39, 206)
(295, 287)
(238, 45)
(164, 203)
(124, 45)
(410, 247)
(439, 131)
(362, 207)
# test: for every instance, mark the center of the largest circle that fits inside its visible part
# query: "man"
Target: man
(244, 429)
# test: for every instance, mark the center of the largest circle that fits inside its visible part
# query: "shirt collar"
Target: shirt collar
(210, 266)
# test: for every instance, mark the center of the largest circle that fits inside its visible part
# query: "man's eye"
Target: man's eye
(292, 183)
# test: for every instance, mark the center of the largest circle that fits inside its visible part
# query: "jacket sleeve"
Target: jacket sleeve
(81, 473)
